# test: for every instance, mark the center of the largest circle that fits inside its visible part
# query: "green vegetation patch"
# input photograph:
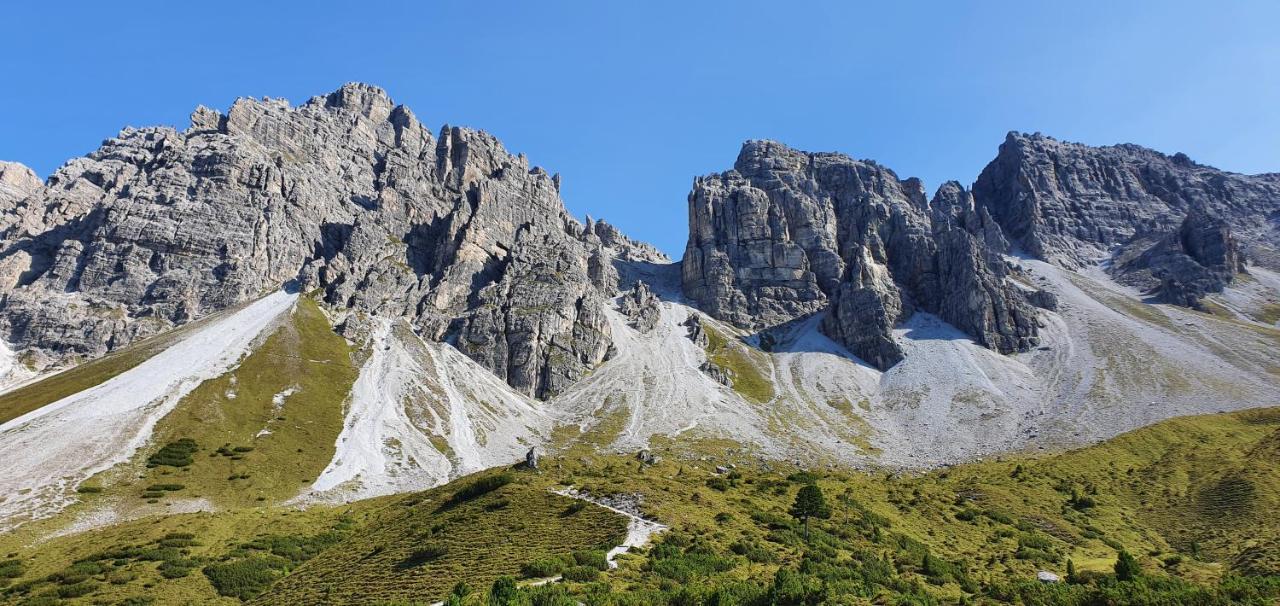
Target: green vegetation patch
(748, 366)
(420, 551)
(277, 417)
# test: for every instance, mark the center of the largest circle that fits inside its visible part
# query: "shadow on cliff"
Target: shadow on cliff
(802, 336)
(663, 278)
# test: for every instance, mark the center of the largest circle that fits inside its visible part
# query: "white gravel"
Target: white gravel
(410, 391)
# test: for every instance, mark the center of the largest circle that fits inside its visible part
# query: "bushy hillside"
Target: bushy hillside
(1190, 499)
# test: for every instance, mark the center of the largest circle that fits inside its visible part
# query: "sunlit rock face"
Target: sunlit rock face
(786, 234)
(348, 194)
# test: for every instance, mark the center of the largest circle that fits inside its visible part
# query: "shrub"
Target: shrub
(88, 489)
(595, 559)
(174, 454)
(573, 508)
(504, 592)
(121, 577)
(718, 483)
(480, 487)
(1126, 567)
(542, 568)
(165, 487)
(11, 569)
(245, 578)
(176, 569)
(427, 553)
(802, 477)
(753, 551)
(997, 516)
(582, 574)
(78, 590)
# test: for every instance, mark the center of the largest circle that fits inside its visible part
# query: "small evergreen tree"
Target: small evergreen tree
(504, 592)
(1071, 572)
(1127, 568)
(810, 504)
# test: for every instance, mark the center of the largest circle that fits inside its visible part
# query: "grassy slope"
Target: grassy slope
(215, 535)
(487, 536)
(749, 367)
(304, 355)
(482, 538)
(1190, 497)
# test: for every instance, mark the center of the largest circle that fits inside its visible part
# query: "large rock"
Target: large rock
(16, 183)
(787, 233)
(1072, 204)
(641, 307)
(1200, 257)
(348, 194)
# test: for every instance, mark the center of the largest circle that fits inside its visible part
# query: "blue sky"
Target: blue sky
(630, 100)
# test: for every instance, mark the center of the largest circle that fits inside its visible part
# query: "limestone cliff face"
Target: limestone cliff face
(787, 233)
(349, 194)
(1183, 266)
(1072, 203)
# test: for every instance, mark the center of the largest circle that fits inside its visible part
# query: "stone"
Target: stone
(1201, 257)
(717, 373)
(531, 458)
(787, 234)
(1044, 576)
(695, 331)
(647, 458)
(641, 307)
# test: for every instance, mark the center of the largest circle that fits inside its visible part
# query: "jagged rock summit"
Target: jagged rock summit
(347, 193)
(1072, 203)
(787, 234)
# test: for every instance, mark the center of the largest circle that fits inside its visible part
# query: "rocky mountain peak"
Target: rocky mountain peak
(787, 234)
(1072, 204)
(17, 182)
(347, 193)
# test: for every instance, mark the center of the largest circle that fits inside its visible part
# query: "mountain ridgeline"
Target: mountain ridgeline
(351, 195)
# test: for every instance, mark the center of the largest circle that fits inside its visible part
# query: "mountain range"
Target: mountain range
(382, 308)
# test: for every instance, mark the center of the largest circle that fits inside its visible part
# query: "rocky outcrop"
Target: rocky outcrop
(640, 306)
(787, 233)
(16, 183)
(1072, 204)
(696, 332)
(1200, 257)
(348, 194)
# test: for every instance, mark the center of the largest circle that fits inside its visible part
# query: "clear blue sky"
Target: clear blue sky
(630, 100)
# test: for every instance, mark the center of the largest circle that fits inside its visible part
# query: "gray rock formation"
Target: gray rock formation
(1200, 257)
(640, 306)
(16, 183)
(787, 234)
(696, 332)
(348, 194)
(531, 458)
(1072, 204)
(717, 373)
